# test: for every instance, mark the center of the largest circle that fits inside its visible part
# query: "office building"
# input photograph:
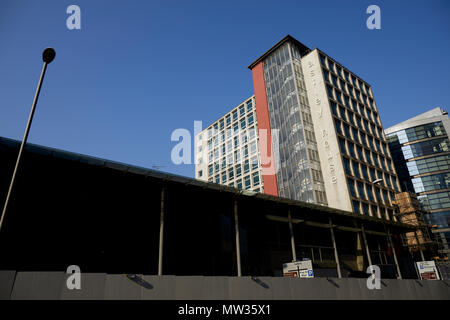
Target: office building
(420, 148)
(227, 152)
(322, 129)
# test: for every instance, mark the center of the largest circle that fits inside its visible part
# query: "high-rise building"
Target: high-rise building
(319, 132)
(227, 152)
(420, 147)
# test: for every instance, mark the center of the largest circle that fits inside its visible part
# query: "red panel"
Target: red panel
(262, 115)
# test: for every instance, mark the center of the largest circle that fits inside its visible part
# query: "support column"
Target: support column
(238, 245)
(336, 256)
(291, 230)
(161, 233)
(369, 259)
(419, 246)
(399, 275)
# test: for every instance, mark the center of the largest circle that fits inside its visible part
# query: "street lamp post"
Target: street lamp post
(47, 56)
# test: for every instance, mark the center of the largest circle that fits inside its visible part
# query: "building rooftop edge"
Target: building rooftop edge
(276, 46)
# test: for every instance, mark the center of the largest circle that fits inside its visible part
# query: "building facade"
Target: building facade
(227, 152)
(322, 129)
(421, 150)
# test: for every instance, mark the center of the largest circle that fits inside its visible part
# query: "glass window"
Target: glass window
(356, 206)
(247, 182)
(235, 115)
(355, 166)
(249, 105)
(362, 195)
(255, 177)
(250, 119)
(231, 173)
(351, 186)
(238, 171)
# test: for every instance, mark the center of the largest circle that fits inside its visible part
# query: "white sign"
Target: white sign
(298, 269)
(427, 270)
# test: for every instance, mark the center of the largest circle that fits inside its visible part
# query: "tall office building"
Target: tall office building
(420, 147)
(227, 152)
(322, 129)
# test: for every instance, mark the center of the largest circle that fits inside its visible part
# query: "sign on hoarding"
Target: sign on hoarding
(427, 270)
(298, 269)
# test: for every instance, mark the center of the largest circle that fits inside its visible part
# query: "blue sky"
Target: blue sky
(138, 69)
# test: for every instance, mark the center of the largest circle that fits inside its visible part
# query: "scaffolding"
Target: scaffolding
(410, 211)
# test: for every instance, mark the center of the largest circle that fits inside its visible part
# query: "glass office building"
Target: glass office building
(323, 131)
(421, 151)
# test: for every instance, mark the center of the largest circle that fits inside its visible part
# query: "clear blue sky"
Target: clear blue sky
(138, 69)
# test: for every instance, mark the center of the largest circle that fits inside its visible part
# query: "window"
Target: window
(243, 123)
(365, 208)
(231, 174)
(253, 147)
(235, 115)
(200, 173)
(247, 182)
(228, 120)
(250, 119)
(254, 162)
(351, 186)
(355, 166)
(224, 177)
(356, 206)
(361, 192)
(241, 111)
(246, 166)
(255, 177)
(221, 124)
(210, 170)
(238, 171)
(239, 184)
(347, 167)
(249, 105)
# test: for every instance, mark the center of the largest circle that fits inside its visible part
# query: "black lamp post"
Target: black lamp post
(47, 56)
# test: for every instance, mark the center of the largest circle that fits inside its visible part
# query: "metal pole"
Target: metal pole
(238, 245)
(47, 56)
(161, 233)
(291, 230)
(336, 256)
(419, 246)
(369, 259)
(394, 254)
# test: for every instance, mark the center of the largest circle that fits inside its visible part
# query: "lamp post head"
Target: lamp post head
(48, 55)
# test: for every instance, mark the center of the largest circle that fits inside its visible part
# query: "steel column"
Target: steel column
(419, 246)
(161, 233)
(399, 276)
(366, 245)
(291, 230)
(238, 245)
(336, 256)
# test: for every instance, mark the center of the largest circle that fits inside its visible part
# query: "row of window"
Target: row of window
(425, 148)
(346, 75)
(355, 169)
(427, 165)
(238, 127)
(435, 201)
(360, 137)
(233, 152)
(431, 182)
(235, 170)
(428, 130)
(341, 95)
(355, 120)
(247, 182)
(373, 210)
(348, 148)
(236, 114)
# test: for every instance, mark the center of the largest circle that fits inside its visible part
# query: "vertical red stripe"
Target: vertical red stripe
(262, 115)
